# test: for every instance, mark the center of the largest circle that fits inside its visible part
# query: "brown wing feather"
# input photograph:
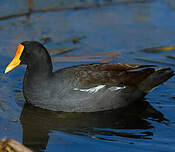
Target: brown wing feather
(109, 67)
(110, 74)
(117, 66)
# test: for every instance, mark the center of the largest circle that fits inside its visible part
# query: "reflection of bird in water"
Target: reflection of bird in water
(38, 123)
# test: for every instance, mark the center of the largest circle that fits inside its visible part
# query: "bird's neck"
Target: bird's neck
(40, 70)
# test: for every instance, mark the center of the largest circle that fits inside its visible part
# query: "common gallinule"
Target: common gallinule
(83, 88)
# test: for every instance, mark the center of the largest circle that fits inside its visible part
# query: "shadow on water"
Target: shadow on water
(38, 123)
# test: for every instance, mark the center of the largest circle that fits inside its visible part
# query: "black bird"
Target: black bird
(83, 88)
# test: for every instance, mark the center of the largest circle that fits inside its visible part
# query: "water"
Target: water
(123, 28)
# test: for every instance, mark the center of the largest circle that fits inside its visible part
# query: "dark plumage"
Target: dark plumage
(84, 88)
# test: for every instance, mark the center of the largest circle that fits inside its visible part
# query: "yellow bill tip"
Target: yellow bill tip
(7, 69)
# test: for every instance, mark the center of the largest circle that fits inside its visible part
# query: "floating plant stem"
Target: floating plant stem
(154, 61)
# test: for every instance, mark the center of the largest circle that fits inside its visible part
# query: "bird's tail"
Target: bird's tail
(156, 78)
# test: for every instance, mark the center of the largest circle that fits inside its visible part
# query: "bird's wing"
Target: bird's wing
(111, 74)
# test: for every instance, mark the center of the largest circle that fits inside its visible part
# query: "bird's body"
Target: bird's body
(85, 88)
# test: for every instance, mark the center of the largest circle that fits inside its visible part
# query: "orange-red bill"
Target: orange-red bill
(16, 60)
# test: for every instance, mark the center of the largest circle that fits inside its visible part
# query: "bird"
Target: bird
(86, 87)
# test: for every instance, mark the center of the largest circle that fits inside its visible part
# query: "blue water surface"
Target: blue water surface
(125, 28)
